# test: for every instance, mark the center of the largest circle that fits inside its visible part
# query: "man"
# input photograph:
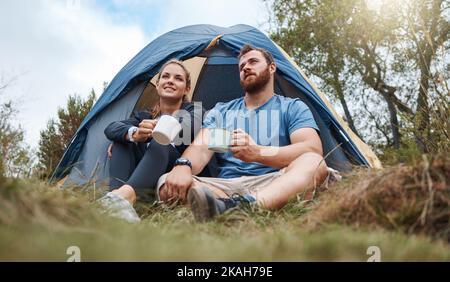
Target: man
(275, 153)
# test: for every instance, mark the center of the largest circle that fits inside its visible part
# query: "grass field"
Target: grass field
(39, 223)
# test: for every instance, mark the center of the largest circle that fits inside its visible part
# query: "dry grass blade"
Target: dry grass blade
(413, 199)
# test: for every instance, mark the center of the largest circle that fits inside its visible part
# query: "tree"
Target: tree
(58, 134)
(333, 39)
(346, 44)
(298, 33)
(51, 148)
(14, 153)
(427, 30)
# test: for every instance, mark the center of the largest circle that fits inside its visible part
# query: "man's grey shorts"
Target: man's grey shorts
(241, 185)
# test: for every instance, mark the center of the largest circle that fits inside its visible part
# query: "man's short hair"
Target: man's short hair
(247, 48)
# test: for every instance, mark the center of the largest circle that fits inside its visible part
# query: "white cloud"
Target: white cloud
(64, 49)
(61, 50)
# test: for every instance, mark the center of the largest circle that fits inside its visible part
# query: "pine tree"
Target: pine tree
(15, 156)
(58, 134)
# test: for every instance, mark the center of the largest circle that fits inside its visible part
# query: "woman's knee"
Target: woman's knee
(120, 150)
(162, 151)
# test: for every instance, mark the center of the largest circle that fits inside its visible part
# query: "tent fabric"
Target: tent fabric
(223, 47)
(181, 43)
(91, 165)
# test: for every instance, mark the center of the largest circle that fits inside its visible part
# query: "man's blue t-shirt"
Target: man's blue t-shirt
(269, 125)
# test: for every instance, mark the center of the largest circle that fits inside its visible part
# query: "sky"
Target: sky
(50, 49)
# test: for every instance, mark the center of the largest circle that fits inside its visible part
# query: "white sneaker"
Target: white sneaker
(117, 206)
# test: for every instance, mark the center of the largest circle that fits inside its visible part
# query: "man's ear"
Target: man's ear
(272, 68)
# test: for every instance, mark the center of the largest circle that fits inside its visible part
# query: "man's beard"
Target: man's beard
(258, 83)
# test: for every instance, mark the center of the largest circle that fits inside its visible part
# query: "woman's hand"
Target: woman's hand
(177, 184)
(145, 130)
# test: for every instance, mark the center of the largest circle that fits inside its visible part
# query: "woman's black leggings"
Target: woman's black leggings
(140, 168)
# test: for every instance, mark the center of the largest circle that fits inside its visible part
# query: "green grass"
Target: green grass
(38, 223)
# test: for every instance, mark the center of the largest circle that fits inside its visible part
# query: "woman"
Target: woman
(137, 160)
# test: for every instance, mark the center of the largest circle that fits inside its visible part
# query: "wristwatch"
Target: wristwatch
(183, 161)
(131, 131)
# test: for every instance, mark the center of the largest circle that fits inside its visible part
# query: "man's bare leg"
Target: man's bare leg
(302, 174)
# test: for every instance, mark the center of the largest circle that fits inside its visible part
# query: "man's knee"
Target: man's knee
(321, 173)
(311, 163)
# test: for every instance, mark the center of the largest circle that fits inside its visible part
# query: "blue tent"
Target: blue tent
(212, 51)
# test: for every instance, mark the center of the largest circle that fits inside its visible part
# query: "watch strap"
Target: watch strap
(183, 161)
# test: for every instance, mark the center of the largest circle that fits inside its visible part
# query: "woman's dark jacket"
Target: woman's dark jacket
(190, 117)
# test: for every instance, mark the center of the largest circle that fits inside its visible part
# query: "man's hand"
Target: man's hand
(178, 182)
(244, 147)
(145, 130)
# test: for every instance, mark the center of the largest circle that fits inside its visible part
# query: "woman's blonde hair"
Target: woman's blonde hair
(156, 110)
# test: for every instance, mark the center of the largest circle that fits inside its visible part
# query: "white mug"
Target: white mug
(166, 129)
(219, 140)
